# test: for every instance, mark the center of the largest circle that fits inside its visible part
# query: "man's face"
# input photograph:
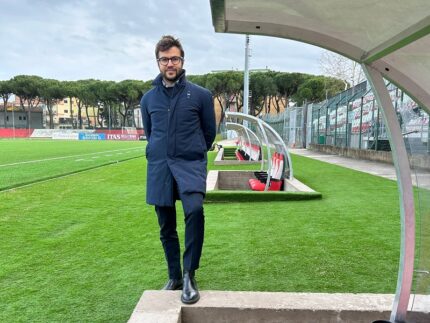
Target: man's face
(170, 71)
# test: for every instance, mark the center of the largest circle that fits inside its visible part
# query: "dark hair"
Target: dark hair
(166, 42)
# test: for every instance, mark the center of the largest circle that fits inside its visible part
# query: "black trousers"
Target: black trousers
(192, 204)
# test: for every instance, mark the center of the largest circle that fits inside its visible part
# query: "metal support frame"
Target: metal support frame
(241, 128)
(376, 134)
(269, 154)
(361, 122)
(247, 118)
(263, 128)
(404, 182)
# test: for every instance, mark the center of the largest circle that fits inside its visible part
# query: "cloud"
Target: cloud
(115, 40)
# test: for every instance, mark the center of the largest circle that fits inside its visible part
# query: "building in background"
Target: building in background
(17, 118)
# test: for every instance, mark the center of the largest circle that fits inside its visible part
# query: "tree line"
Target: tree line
(113, 103)
(270, 91)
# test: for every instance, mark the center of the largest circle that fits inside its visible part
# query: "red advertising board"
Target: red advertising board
(15, 133)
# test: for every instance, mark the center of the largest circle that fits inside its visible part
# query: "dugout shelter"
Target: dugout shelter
(391, 39)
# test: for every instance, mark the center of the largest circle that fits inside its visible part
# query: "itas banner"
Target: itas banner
(121, 136)
(92, 136)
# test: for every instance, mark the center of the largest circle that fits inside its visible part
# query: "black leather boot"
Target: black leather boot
(190, 293)
(173, 284)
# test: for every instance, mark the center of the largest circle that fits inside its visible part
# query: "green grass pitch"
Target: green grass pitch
(83, 247)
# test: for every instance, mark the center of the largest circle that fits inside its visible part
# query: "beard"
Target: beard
(172, 77)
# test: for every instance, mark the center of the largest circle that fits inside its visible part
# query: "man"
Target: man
(179, 121)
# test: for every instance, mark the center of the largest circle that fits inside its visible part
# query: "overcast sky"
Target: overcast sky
(115, 39)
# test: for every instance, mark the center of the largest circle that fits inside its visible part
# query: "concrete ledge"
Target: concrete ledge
(157, 307)
(234, 179)
(232, 186)
(238, 180)
(220, 307)
(295, 185)
(212, 180)
(219, 155)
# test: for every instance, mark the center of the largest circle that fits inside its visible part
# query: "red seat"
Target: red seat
(256, 185)
(276, 172)
(280, 168)
(239, 156)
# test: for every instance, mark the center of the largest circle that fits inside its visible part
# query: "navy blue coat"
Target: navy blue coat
(180, 128)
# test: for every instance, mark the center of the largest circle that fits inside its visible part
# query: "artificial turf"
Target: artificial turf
(84, 247)
(27, 161)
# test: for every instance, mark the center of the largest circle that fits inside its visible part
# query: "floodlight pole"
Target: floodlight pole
(246, 80)
(406, 196)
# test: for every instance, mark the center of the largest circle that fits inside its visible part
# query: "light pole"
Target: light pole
(246, 80)
(246, 77)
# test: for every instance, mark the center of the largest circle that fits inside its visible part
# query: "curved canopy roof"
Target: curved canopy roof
(392, 36)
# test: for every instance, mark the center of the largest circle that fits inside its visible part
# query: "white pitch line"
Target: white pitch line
(54, 179)
(65, 157)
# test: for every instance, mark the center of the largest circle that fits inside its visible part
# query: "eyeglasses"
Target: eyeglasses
(165, 60)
